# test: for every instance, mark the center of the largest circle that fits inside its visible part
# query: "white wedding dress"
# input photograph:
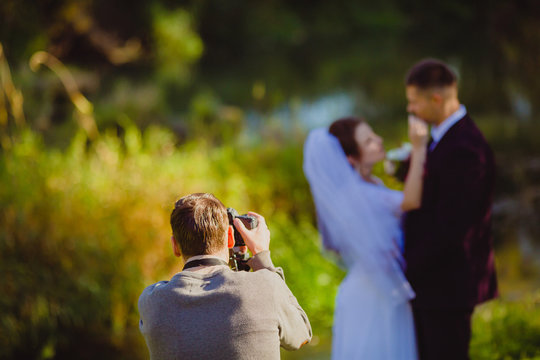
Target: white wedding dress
(360, 220)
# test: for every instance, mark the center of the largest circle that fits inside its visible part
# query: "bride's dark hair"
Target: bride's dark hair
(343, 129)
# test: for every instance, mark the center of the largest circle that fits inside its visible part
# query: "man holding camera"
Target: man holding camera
(209, 311)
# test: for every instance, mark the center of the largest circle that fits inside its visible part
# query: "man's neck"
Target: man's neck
(221, 255)
(450, 107)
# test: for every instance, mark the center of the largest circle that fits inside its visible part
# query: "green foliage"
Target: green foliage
(507, 330)
(68, 245)
(177, 44)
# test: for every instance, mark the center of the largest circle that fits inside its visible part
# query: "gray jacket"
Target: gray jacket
(223, 314)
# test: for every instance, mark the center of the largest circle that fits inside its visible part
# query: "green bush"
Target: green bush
(504, 330)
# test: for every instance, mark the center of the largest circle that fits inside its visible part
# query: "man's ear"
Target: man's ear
(436, 98)
(230, 237)
(176, 248)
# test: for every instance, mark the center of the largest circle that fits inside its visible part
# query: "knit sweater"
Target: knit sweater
(223, 314)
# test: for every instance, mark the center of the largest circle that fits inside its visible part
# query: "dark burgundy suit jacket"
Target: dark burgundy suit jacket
(448, 241)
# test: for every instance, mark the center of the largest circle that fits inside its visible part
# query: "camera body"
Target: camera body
(250, 222)
(238, 259)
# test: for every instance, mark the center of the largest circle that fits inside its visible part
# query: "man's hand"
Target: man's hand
(257, 239)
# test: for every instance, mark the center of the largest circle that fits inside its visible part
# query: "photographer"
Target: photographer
(209, 311)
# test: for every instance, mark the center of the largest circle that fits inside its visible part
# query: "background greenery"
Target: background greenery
(110, 111)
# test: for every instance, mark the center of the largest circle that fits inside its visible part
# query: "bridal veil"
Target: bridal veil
(358, 219)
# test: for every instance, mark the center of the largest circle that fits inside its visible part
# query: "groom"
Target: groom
(448, 243)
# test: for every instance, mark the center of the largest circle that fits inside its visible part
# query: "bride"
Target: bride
(359, 218)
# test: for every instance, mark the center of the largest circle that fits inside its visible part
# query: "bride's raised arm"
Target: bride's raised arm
(412, 191)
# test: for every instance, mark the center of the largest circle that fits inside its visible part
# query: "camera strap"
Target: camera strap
(205, 262)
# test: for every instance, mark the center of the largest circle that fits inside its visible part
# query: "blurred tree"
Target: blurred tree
(292, 48)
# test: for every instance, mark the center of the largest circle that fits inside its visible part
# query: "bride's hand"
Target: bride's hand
(418, 132)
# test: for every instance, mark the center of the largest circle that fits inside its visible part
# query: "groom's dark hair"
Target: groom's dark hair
(430, 73)
(343, 129)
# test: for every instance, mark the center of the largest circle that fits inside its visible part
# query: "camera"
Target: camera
(250, 222)
(238, 260)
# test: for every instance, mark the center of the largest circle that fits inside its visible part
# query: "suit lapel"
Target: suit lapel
(450, 135)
